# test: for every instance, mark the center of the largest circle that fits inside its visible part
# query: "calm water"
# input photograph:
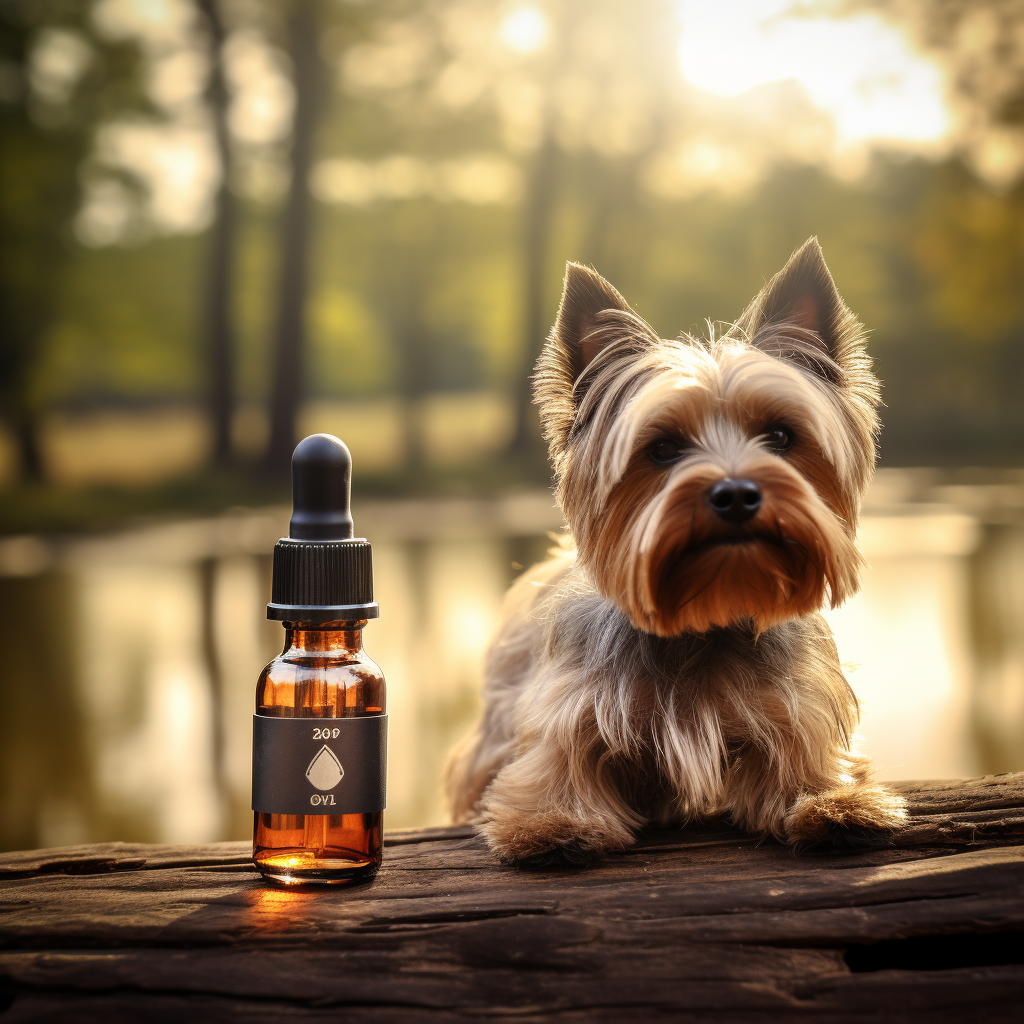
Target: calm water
(131, 660)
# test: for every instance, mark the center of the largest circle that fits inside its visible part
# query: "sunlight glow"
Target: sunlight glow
(178, 168)
(861, 70)
(524, 30)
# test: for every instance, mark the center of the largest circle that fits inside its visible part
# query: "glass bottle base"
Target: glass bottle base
(299, 866)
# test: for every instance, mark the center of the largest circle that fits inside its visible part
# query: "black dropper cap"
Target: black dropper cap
(321, 572)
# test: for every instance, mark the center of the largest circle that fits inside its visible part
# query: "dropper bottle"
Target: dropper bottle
(320, 727)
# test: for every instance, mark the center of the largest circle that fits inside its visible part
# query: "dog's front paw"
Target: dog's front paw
(550, 841)
(851, 817)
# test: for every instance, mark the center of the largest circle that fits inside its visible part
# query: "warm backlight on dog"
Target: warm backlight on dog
(669, 662)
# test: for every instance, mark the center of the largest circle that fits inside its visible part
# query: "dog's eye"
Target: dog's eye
(665, 450)
(778, 439)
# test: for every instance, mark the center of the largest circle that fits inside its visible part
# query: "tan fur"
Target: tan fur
(665, 664)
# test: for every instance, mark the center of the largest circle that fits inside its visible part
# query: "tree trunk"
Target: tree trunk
(290, 332)
(220, 339)
(540, 195)
(413, 391)
(409, 325)
(27, 431)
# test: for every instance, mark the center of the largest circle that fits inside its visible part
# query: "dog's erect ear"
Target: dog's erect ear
(800, 315)
(585, 295)
(593, 318)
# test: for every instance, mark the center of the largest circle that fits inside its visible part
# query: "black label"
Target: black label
(319, 765)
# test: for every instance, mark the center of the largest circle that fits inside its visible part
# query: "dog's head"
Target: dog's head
(711, 481)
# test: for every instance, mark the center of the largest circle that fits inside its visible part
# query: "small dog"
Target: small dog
(668, 663)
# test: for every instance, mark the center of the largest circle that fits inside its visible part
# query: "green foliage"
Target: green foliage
(126, 330)
(61, 80)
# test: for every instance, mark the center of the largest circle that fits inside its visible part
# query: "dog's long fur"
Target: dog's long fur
(665, 664)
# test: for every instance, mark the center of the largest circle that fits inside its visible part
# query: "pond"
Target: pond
(131, 659)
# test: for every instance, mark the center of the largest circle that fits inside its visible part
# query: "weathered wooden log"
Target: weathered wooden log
(697, 924)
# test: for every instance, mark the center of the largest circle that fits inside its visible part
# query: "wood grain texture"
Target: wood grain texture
(699, 924)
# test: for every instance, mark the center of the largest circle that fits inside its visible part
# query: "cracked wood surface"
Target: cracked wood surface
(698, 924)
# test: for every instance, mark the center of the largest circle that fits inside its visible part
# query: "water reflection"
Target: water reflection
(131, 660)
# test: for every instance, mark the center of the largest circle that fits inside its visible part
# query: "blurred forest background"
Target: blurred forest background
(215, 215)
(228, 223)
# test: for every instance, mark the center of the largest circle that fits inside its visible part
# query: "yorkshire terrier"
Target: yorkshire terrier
(668, 663)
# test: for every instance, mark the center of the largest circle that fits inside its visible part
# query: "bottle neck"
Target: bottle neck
(323, 637)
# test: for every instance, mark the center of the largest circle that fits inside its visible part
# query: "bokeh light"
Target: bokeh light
(524, 29)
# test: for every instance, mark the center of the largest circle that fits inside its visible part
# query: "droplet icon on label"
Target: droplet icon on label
(325, 770)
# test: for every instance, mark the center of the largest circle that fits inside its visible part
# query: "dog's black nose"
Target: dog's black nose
(735, 501)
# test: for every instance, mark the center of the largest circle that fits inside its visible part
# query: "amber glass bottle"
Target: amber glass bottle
(320, 722)
(322, 673)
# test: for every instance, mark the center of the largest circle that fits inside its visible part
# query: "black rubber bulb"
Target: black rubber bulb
(321, 489)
